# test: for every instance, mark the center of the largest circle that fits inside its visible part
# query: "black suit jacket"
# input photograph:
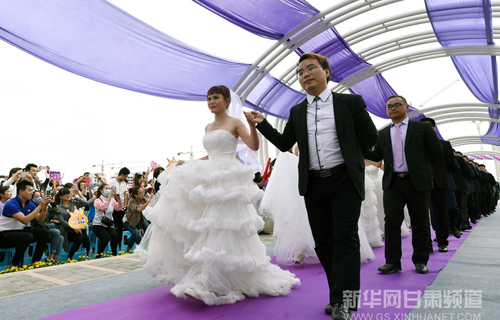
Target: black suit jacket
(422, 147)
(462, 176)
(355, 130)
(443, 165)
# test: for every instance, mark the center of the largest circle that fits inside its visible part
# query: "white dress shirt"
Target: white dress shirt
(324, 147)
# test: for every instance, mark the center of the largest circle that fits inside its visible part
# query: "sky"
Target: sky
(53, 117)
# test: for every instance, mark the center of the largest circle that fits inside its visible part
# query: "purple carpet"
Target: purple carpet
(379, 296)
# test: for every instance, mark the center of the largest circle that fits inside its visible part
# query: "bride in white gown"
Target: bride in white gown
(282, 200)
(203, 238)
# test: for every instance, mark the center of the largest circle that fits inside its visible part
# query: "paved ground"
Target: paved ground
(22, 282)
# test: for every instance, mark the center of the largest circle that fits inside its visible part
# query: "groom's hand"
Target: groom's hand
(254, 117)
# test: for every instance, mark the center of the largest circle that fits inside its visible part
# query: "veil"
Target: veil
(246, 155)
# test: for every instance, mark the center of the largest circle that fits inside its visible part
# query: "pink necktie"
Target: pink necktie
(398, 146)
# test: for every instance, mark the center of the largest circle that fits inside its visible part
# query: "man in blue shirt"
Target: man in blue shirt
(17, 213)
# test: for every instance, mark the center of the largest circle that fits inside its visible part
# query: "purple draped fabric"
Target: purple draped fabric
(493, 131)
(260, 16)
(99, 41)
(469, 22)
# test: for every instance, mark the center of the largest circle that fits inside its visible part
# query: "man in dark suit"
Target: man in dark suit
(461, 178)
(439, 193)
(487, 190)
(408, 148)
(333, 131)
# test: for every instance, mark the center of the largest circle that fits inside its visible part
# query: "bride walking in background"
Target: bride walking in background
(295, 243)
(203, 238)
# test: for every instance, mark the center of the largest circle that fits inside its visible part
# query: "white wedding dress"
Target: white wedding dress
(291, 225)
(368, 217)
(203, 235)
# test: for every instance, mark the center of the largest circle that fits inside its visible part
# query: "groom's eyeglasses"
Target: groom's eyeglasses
(395, 106)
(310, 68)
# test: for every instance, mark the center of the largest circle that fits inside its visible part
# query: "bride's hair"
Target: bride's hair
(222, 90)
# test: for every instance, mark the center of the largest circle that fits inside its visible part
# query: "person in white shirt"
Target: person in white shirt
(119, 185)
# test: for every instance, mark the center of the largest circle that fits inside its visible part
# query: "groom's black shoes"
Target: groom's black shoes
(338, 311)
(421, 268)
(389, 268)
(329, 309)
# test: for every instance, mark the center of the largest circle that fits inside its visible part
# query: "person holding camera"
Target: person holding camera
(31, 173)
(56, 239)
(107, 201)
(67, 204)
(16, 215)
(13, 178)
(135, 221)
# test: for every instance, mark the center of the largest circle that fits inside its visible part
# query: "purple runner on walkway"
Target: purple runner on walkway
(306, 301)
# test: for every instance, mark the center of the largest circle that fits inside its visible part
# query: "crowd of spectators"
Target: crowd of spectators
(38, 212)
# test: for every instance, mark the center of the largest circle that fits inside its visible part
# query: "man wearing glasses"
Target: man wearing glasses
(332, 131)
(408, 148)
(17, 213)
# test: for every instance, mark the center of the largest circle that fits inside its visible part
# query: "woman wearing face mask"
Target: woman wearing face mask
(67, 204)
(106, 202)
(56, 239)
(5, 195)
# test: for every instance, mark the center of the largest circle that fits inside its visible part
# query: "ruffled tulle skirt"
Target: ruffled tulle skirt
(283, 203)
(369, 219)
(204, 235)
(286, 206)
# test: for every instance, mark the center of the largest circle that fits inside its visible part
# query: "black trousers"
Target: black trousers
(333, 207)
(463, 218)
(105, 235)
(439, 215)
(118, 220)
(471, 206)
(477, 205)
(452, 209)
(489, 196)
(477, 201)
(400, 193)
(21, 239)
(78, 240)
(484, 207)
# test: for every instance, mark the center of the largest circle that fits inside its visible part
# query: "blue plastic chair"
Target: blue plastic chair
(123, 245)
(79, 252)
(6, 257)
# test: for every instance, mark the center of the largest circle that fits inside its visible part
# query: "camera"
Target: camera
(23, 174)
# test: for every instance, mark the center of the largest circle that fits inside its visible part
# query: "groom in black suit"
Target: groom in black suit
(333, 131)
(408, 148)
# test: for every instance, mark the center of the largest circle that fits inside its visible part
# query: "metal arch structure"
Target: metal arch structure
(462, 119)
(448, 108)
(468, 140)
(489, 153)
(386, 25)
(335, 15)
(489, 50)
(267, 61)
(348, 9)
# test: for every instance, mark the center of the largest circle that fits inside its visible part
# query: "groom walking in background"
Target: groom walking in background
(332, 131)
(408, 149)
